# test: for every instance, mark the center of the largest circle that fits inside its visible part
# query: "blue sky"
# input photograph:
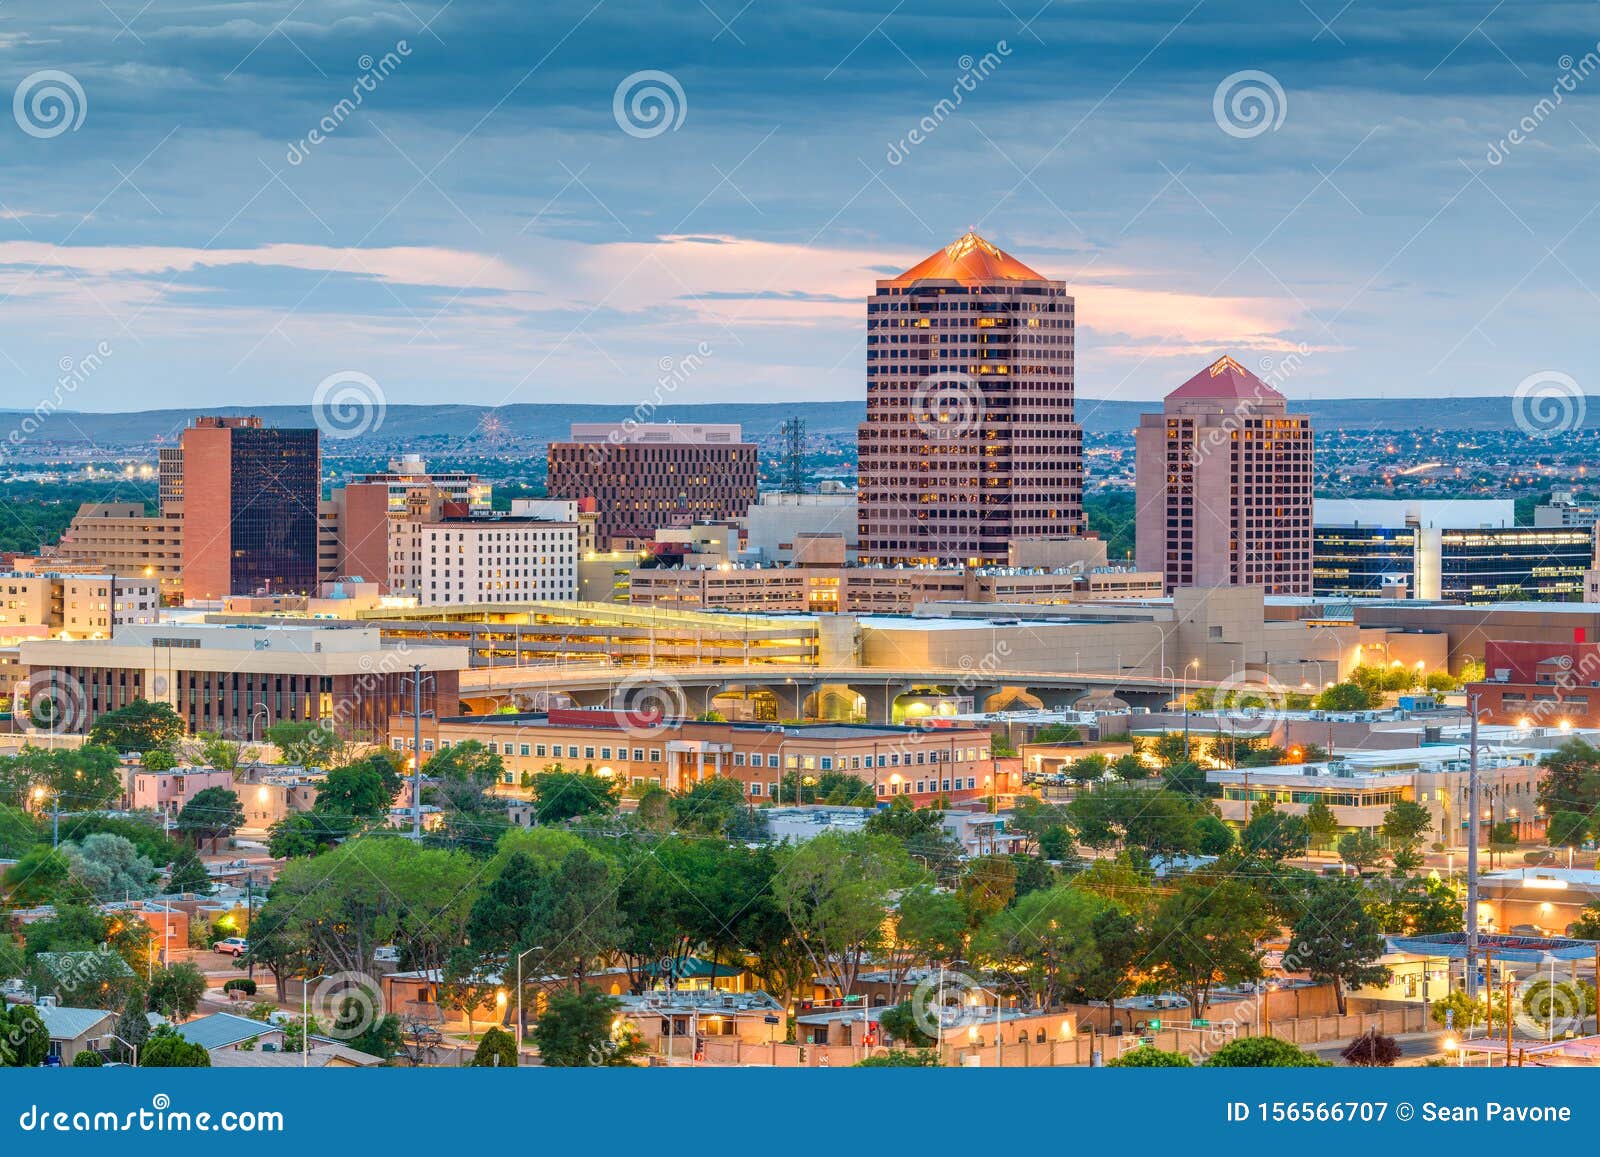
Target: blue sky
(482, 228)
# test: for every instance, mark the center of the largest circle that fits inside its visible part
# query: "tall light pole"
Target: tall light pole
(521, 1024)
(1472, 852)
(416, 749)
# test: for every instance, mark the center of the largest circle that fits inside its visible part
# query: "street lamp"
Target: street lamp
(1195, 663)
(521, 1024)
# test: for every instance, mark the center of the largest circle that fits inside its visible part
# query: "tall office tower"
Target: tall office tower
(650, 475)
(250, 497)
(970, 439)
(1224, 485)
(169, 478)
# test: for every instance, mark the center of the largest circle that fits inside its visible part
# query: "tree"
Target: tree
(930, 926)
(1043, 947)
(1406, 822)
(1462, 1013)
(299, 834)
(376, 1036)
(715, 807)
(1569, 829)
(1321, 825)
(1113, 814)
(1415, 906)
(29, 1039)
(1572, 781)
(1273, 835)
(84, 779)
(1566, 1003)
(469, 762)
(302, 743)
(188, 874)
(835, 787)
(1502, 838)
(1345, 697)
(1337, 940)
(1263, 1052)
(1057, 733)
(573, 912)
(921, 832)
(1129, 765)
(497, 1049)
(1088, 769)
(166, 1049)
(1187, 778)
(110, 867)
(1119, 945)
(139, 726)
(356, 795)
(213, 813)
(834, 889)
(212, 750)
(1150, 1057)
(1360, 849)
(1204, 933)
(988, 884)
(1587, 925)
(560, 795)
(899, 1023)
(158, 760)
(176, 989)
(576, 1031)
(1213, 836)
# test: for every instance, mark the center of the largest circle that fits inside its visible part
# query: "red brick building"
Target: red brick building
(1540, 684)
(1224, 485)
(970, 438)
(250, 498)
(644, 476)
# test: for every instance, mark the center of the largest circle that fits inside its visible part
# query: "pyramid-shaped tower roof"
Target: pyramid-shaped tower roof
(967, 260)
(1227, 380)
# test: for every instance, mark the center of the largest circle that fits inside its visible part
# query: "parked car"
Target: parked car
(232, 946)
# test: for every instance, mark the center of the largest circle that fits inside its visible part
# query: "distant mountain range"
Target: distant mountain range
(520, 426)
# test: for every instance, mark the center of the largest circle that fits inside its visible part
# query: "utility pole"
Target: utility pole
(1472, 853)
(416, 751)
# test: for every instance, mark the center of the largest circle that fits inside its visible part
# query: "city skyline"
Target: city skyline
(1408, 218)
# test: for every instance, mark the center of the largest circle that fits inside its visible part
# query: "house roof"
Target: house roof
(322, 1056)
(1228, 380)
(221, 1029)
(968, 259)
(71, 1023)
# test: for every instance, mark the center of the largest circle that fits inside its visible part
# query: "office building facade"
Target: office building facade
(645, 475)
(1225, 485)
(250, 509)
(971, 438)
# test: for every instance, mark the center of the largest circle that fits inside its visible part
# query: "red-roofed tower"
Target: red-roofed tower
(1224, 485)
(970, 438)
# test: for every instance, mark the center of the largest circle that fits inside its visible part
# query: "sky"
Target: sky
(233, 202)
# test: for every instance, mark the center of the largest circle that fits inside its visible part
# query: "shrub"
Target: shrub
(1150, 1057)
(240, 984)
(1263, 1052)
(88, 1059)
(901, 1059)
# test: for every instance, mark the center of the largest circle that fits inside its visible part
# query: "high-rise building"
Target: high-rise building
(120, 538)
(438, 554)
(970, 438)
(649, 475)
(250, 496)
(1224, 485)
